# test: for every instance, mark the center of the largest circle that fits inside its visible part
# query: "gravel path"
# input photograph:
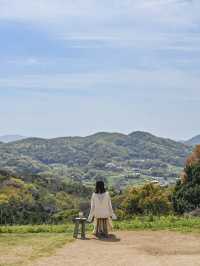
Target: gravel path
(140, 248)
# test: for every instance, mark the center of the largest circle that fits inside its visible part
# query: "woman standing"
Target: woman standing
(101, 210)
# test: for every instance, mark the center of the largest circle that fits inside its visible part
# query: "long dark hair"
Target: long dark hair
(100, 187)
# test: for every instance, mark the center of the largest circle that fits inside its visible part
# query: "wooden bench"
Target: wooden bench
(79, 221)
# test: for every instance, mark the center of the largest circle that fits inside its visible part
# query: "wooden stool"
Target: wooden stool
(79, 221)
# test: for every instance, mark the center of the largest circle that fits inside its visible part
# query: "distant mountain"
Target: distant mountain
(38, 155)
(11, 138)
(193, 141)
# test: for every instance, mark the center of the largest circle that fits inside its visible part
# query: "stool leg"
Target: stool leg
(76, 229)
(83, 230)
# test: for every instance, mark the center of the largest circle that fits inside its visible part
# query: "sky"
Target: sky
(74, 67)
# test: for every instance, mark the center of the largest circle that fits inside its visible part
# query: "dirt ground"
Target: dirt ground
(140, 248)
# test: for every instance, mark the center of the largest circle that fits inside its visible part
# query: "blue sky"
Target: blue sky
(78, 67)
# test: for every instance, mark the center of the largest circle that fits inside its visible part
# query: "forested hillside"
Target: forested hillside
(49, 181)
(36, 199)
(118, 158)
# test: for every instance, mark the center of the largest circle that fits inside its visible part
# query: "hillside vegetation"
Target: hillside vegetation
(112, 156)
(36, 200)
(49, 181)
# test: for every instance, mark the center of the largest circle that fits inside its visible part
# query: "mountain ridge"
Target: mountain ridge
(38, 155)
(10, 138)
(193, 141)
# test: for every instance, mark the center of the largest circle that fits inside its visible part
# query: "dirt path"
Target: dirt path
(130, 249)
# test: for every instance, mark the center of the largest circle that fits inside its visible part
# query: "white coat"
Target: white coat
(101, 206)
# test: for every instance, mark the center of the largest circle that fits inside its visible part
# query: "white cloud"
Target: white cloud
(183, 11)
(144, 25)
(136, 23)
(37, 10)
(159, 36)
(157, 83)
(23, 61)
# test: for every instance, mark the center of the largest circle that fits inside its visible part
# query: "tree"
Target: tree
(186, 196)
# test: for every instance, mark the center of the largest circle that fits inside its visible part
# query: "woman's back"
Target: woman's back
(101, 202)
(101, 210)
(101, 206)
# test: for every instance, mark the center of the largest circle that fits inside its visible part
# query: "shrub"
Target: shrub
(64, 216)
(148, 199)
(186, 195)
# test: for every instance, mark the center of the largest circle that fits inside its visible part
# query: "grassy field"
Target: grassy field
(22, 249)
(34, 229)
(20, 245)
(174, 223)
(135, 223)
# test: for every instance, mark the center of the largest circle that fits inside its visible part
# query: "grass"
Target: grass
(181, 224)
(22, 249)
(44, 228)
(171, 222)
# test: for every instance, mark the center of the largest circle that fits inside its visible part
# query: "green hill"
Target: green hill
(109, 155)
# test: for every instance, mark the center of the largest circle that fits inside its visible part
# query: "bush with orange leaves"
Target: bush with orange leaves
(192, 161)
(186, 196)
(194, 158)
